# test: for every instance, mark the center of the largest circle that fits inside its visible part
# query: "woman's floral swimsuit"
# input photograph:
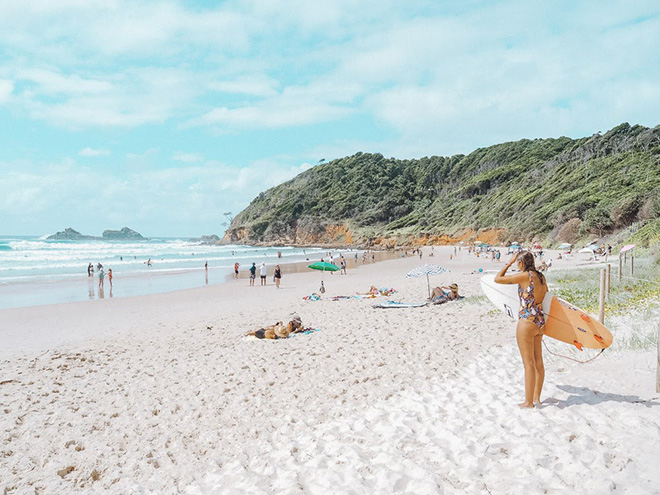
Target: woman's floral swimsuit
(529, 309)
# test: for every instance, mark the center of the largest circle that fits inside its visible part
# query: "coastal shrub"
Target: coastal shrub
(596, 221)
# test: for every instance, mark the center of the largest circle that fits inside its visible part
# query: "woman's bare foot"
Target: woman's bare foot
(525, 405)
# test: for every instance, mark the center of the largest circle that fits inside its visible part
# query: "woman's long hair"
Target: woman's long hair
(527, 259)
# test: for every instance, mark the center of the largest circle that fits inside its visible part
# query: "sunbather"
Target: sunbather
(443, 294)
(375, 291)
(278, 330)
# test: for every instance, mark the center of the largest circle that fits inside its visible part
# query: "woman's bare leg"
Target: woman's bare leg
(525, 334)
(540, 368)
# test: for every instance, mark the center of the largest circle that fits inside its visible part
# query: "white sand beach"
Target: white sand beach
(163, 394)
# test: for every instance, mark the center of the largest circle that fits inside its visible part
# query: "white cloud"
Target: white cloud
(50, 82)
(265, 116)
(135, 97)
(320, 101)
(90, 152)
(6, 89)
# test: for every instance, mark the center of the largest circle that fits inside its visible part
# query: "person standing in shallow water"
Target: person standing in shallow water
(101, 276)
(532, 288)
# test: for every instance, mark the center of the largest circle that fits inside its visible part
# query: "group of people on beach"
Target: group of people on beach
(263, 274)
(101, 274)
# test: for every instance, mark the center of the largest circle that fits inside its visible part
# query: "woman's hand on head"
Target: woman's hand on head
(513, 259)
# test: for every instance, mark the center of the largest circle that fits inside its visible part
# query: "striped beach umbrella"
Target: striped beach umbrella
(427, 270)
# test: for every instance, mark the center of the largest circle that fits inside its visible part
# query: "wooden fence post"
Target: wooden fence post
(601, 297)
(608, 279)
(632, 264)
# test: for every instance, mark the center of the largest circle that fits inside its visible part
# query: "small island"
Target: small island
(124, 234)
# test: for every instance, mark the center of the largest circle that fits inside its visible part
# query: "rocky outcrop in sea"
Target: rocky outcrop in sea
(125, 234)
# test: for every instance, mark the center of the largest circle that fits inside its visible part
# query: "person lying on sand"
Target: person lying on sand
(278, 330)
(374, 291)
(444, 293)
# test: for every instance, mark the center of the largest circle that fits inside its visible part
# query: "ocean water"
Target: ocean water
(35, 271)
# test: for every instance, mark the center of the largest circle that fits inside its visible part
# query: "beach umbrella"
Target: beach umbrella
(626, 248)
(590, 250)
(427, 270)
(324, 266)
(565, 245)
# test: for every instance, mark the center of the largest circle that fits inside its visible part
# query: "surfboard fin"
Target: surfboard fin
(599, 339)
(577, 344)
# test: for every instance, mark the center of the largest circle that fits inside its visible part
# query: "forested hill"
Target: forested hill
(548, 189)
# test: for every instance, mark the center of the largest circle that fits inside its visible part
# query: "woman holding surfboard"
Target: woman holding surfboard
(531, 324)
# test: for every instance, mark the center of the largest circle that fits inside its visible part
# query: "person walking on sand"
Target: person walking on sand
(529, 332)
(236, 265)
(110, 277)
(253, 274)
(90, 270)
(263, 271)
(277, 276)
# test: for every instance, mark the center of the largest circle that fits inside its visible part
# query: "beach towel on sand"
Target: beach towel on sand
(304, 331)
(312, 297)
(395, 304)
(443, 301)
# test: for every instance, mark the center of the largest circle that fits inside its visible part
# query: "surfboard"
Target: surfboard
(564, 321)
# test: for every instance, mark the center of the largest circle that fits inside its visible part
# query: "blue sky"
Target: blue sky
(164, 115)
